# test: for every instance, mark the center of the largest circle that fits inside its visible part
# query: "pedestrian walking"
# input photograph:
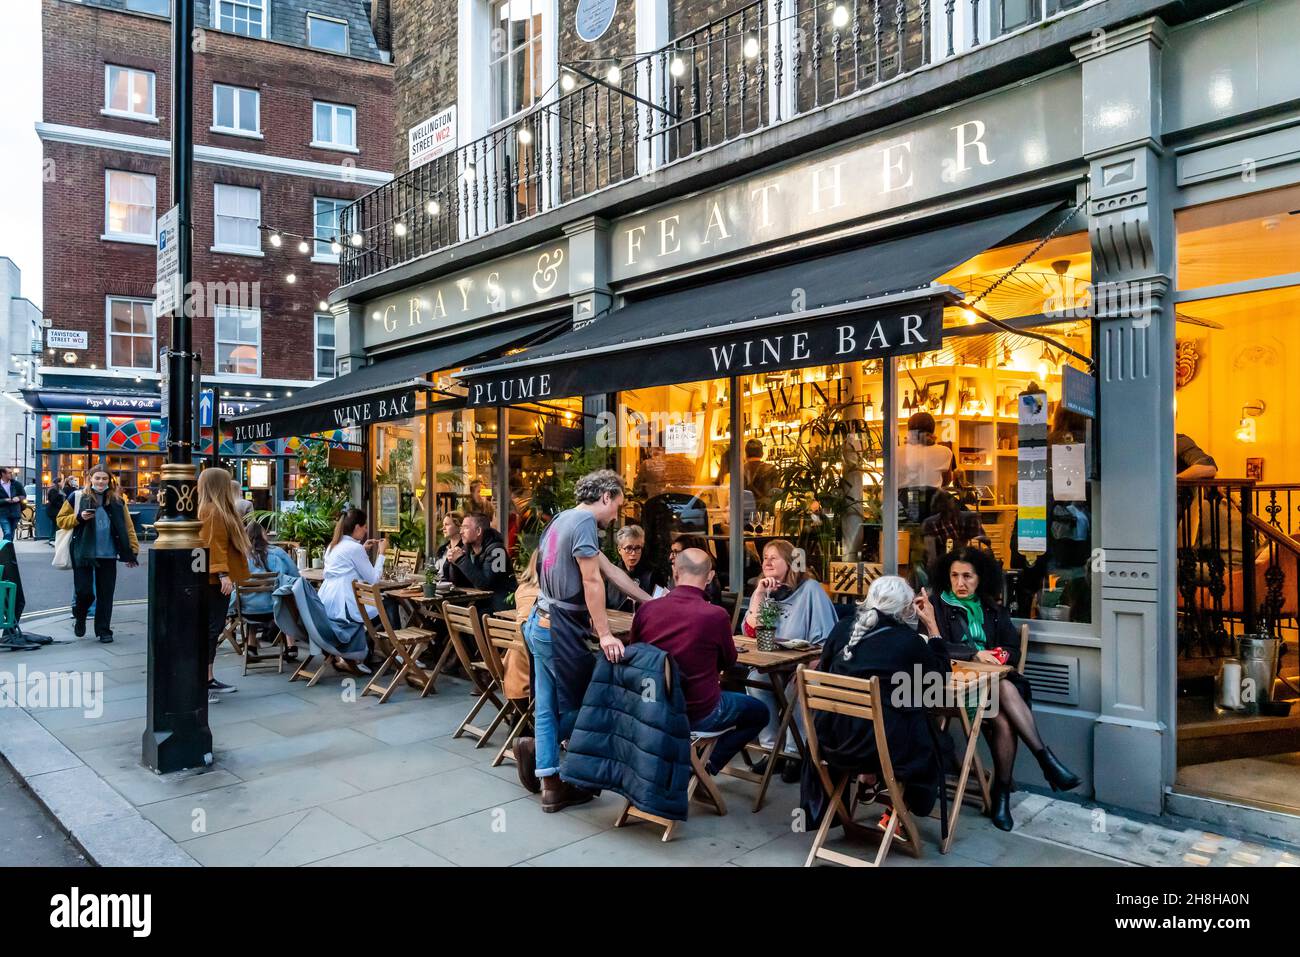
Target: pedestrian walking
(12, 497)
(102, 535)
(226, 539)
(54, 499)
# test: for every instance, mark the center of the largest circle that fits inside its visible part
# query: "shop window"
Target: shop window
(1237, 240)
(137, 476)
(545, 447)
(400, 479)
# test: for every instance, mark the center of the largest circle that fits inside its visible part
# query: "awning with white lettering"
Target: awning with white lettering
(380, 392)
(861, 303)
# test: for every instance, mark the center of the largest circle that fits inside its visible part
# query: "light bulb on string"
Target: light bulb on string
(751, 47)
(357, 239)
(566, 82)
(468, 172)
(614, 74)
(276, 241)
(399, 228)
(433, 207)
(840, 17)
(677, 67)
(291, 279)
(323, 306)
(335, 247)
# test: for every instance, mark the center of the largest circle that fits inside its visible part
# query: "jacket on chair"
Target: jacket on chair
(631, 737)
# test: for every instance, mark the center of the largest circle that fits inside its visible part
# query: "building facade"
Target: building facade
(293, 118)
(22, 333)
(712, 242)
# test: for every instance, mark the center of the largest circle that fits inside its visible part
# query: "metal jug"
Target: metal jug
(1258, 657)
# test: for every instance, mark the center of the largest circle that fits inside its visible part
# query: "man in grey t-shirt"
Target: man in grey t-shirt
(571, 571)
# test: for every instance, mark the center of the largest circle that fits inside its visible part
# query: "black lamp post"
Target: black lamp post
(176, 735)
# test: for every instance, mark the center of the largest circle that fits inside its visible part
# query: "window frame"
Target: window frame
(142, 238)
(332, 144)
(266, 17)
(256, 131)
(494, 59)
(341, 204)
(109, 110)
(221, 310)
(109, 334)
(317, 347)
(217, 245)
(325, 18)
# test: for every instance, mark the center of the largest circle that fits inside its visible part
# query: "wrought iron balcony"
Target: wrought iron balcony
(606, 124)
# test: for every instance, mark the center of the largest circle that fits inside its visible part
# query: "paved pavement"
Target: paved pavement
(313, 776)
(46, 587)
(30, 837)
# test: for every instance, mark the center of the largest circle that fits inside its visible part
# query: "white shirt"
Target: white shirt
(345, 563)
(922, 466)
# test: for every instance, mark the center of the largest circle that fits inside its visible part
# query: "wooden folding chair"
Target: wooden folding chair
(500, 636)
(465, 631)
(855, 697)
(405, 563)
(262, 583)
(405, 645)
(702, 745)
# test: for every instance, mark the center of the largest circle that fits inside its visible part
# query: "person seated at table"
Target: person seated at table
(451, 529)
(347, 559)
(480, 560)
(713, 590)
(881, 641)
(698, 637)
(265, 558)
(975, 626)
(949, 527)
(516, 684)
(806, 614)
(630, 541)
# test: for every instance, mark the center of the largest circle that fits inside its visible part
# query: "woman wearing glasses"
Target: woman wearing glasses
(630, 541)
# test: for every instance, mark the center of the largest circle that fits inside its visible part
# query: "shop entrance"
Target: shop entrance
(1238, 509)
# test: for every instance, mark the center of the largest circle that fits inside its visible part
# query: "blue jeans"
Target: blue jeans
(552, 726)
(7, 525)
(746, 717)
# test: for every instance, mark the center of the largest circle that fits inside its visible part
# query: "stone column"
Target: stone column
(349, 337)
(1130, 225)
(591, 297)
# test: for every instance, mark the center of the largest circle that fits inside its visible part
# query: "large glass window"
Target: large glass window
(131, 342)
(129, 206)
(237, 219)
(235, 109)
(1235, 240)
(129, 92)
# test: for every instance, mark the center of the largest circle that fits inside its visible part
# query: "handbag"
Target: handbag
(63, 539)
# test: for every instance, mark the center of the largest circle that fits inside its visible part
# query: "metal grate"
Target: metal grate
(1054, 678)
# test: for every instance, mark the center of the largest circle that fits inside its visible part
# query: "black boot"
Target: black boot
(1057, 774)
(1000, 794)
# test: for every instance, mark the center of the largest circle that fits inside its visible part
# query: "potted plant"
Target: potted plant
(769, 616)
(430, 581)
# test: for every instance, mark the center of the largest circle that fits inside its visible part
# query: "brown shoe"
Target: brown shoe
(557, 794)
(526, 763)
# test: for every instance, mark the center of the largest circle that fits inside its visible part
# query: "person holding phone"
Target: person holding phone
(228, 547)
(102, 535)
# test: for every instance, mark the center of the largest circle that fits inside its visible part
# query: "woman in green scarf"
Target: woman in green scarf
(974, 624)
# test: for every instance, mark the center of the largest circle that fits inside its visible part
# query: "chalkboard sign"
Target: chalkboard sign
(593, 18)
(390, 508)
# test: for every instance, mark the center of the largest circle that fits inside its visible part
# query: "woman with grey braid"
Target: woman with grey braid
(893, 637)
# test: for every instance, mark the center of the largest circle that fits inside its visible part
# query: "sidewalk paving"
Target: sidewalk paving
(316, 776)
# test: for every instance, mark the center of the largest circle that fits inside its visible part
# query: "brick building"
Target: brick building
(293, 121)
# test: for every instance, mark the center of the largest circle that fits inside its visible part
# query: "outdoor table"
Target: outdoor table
(429, 610)
(620, 622)
(315, 576)
(776, 667)
(968, 676)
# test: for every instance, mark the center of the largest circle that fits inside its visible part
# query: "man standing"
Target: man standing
(12, 496)
(697, 635)
(924, 467)
(570, 606)
(480, 560)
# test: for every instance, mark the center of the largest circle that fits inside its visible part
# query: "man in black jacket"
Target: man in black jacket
(481, 560)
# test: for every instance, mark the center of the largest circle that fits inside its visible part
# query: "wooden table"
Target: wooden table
(620, 622)
(968, 677)
(429, 610)
(315, 576)
(776, 668)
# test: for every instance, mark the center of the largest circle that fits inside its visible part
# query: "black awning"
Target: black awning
(379, 392)
(859, 303)
(100, 402)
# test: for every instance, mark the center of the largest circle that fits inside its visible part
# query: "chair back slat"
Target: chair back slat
(369, 596)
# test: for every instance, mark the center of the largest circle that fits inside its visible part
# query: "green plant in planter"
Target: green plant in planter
(552, 496)
(317, 504)
(769, 616)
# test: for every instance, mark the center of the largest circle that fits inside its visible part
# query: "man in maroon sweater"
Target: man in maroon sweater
(698, 636)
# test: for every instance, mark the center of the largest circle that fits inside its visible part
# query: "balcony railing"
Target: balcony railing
(761, 65)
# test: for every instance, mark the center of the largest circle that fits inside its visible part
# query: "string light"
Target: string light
(336, 247)
(677, 67)
(303, 247)
(291, 279)
(276, 240)
(468, 172)
(399, 228)
(840, 17)
(751, 47)
(566, 82)
(433, 207)
(614, 74)
(323, 306)
(525, 135)
(357, 239)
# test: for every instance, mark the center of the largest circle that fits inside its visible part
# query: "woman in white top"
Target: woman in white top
(346, 561)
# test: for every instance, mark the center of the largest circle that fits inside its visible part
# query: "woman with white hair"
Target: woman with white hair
(882, 640)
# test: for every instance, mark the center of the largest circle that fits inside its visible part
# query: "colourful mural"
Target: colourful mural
(134, 435)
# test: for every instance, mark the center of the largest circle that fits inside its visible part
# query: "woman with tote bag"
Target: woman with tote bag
(100, 534)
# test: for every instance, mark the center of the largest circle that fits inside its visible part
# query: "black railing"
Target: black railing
(610, 122)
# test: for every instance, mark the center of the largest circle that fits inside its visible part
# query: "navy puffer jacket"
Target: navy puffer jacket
(632, 738)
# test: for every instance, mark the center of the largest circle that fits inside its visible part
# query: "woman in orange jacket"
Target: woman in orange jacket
(226, 539)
